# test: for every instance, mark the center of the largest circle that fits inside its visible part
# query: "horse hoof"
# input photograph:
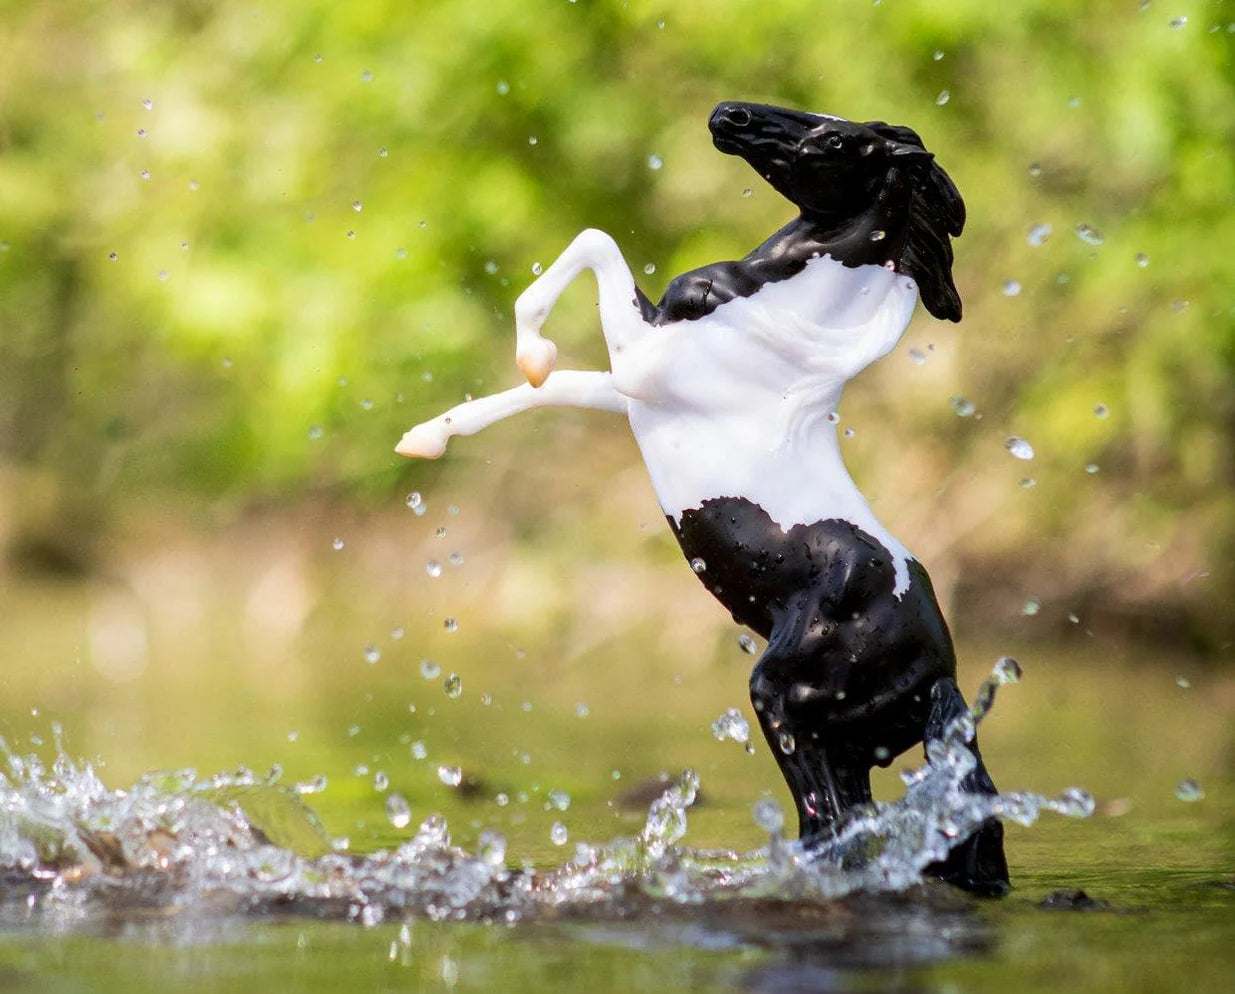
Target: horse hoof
(536, 360)
(421, 442)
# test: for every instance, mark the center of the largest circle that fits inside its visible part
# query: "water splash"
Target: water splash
(242, 843)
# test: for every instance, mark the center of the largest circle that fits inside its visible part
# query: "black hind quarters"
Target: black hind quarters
(859, 665)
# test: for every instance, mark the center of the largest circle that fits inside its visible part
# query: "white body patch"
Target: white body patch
(732, 404)
(737, 403)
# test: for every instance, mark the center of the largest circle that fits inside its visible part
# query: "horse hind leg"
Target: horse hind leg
(978, 864)
(825, 778)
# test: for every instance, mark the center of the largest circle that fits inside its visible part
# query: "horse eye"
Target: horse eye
(836, 142)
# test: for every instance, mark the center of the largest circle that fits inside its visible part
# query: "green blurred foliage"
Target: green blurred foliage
(245, 245)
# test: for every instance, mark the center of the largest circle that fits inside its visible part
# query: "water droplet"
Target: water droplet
(314, 785)
(731, 725)
(491, 848)
(559, 800)
(943, 98)
(1006, 670)
(1031, 607)
(938, 56)
(1089, 234)
(786, 742)
(396, 633)
(372, 654)
(649, 269)
(337, 544)
(381, 781)
(1179, 22)
(1075, 619)
(850, 433)
(148, 104)
(558, 834)
(317, 58)
(1101, 411)
(878, 235)
(537, 269)
(655, 162)
(450, 624)
(747, 644)
(450, 971)
(1189, 790)
(1142, 259)
(501, 799)
(429, 669)
(917, 357)
(382, 152)
(1010, 288)
(698, 565)
(419, 750)
(1038, 234)
(768, 815)
(141, 132)
(366, 76)
(491, 267)
(351, 234)
(456, 559)
(582, 710)
(1183, 682)
(451, 776)
(503, 87)
(1027, 482)
(433, 568)
(747, 191)
(453, 685)
(1092, 468)
(532, 139)
(961, 406)
(660, 25)
(413, 500)
(1018, 447)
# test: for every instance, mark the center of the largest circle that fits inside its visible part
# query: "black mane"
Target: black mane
(869, 194)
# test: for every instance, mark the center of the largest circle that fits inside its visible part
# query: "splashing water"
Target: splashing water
(240, 843)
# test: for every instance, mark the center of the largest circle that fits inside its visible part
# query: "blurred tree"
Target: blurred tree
(243, 246)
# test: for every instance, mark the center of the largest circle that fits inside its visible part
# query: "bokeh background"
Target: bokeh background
(244, 246)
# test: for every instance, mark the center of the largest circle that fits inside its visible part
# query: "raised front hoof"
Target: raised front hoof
(978, 864)
(536, 360)
(422, 442)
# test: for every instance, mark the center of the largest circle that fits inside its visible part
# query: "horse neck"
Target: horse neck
(870, 238)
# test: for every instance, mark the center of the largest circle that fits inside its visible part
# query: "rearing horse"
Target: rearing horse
(731, 383)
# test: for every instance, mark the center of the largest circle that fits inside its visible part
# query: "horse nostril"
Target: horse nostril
(739, 117)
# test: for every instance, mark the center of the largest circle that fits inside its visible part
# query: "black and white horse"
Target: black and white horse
(731, 384)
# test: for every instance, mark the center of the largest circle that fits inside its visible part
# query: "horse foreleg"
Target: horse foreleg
(567, 388)
(620, 316)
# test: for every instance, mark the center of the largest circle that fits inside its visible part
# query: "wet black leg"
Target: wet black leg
(978, 863)
(824, 777)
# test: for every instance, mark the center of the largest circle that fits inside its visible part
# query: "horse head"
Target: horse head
(871, 191)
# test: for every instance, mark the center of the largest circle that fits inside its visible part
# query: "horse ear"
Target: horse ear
(935, 187)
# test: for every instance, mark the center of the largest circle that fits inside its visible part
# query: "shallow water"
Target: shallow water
(305, 876)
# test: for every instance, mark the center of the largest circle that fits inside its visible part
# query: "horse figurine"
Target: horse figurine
(731, 385)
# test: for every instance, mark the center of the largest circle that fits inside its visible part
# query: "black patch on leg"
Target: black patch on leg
(978, 864)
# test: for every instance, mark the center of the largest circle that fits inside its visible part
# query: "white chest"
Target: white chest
(737, 404)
